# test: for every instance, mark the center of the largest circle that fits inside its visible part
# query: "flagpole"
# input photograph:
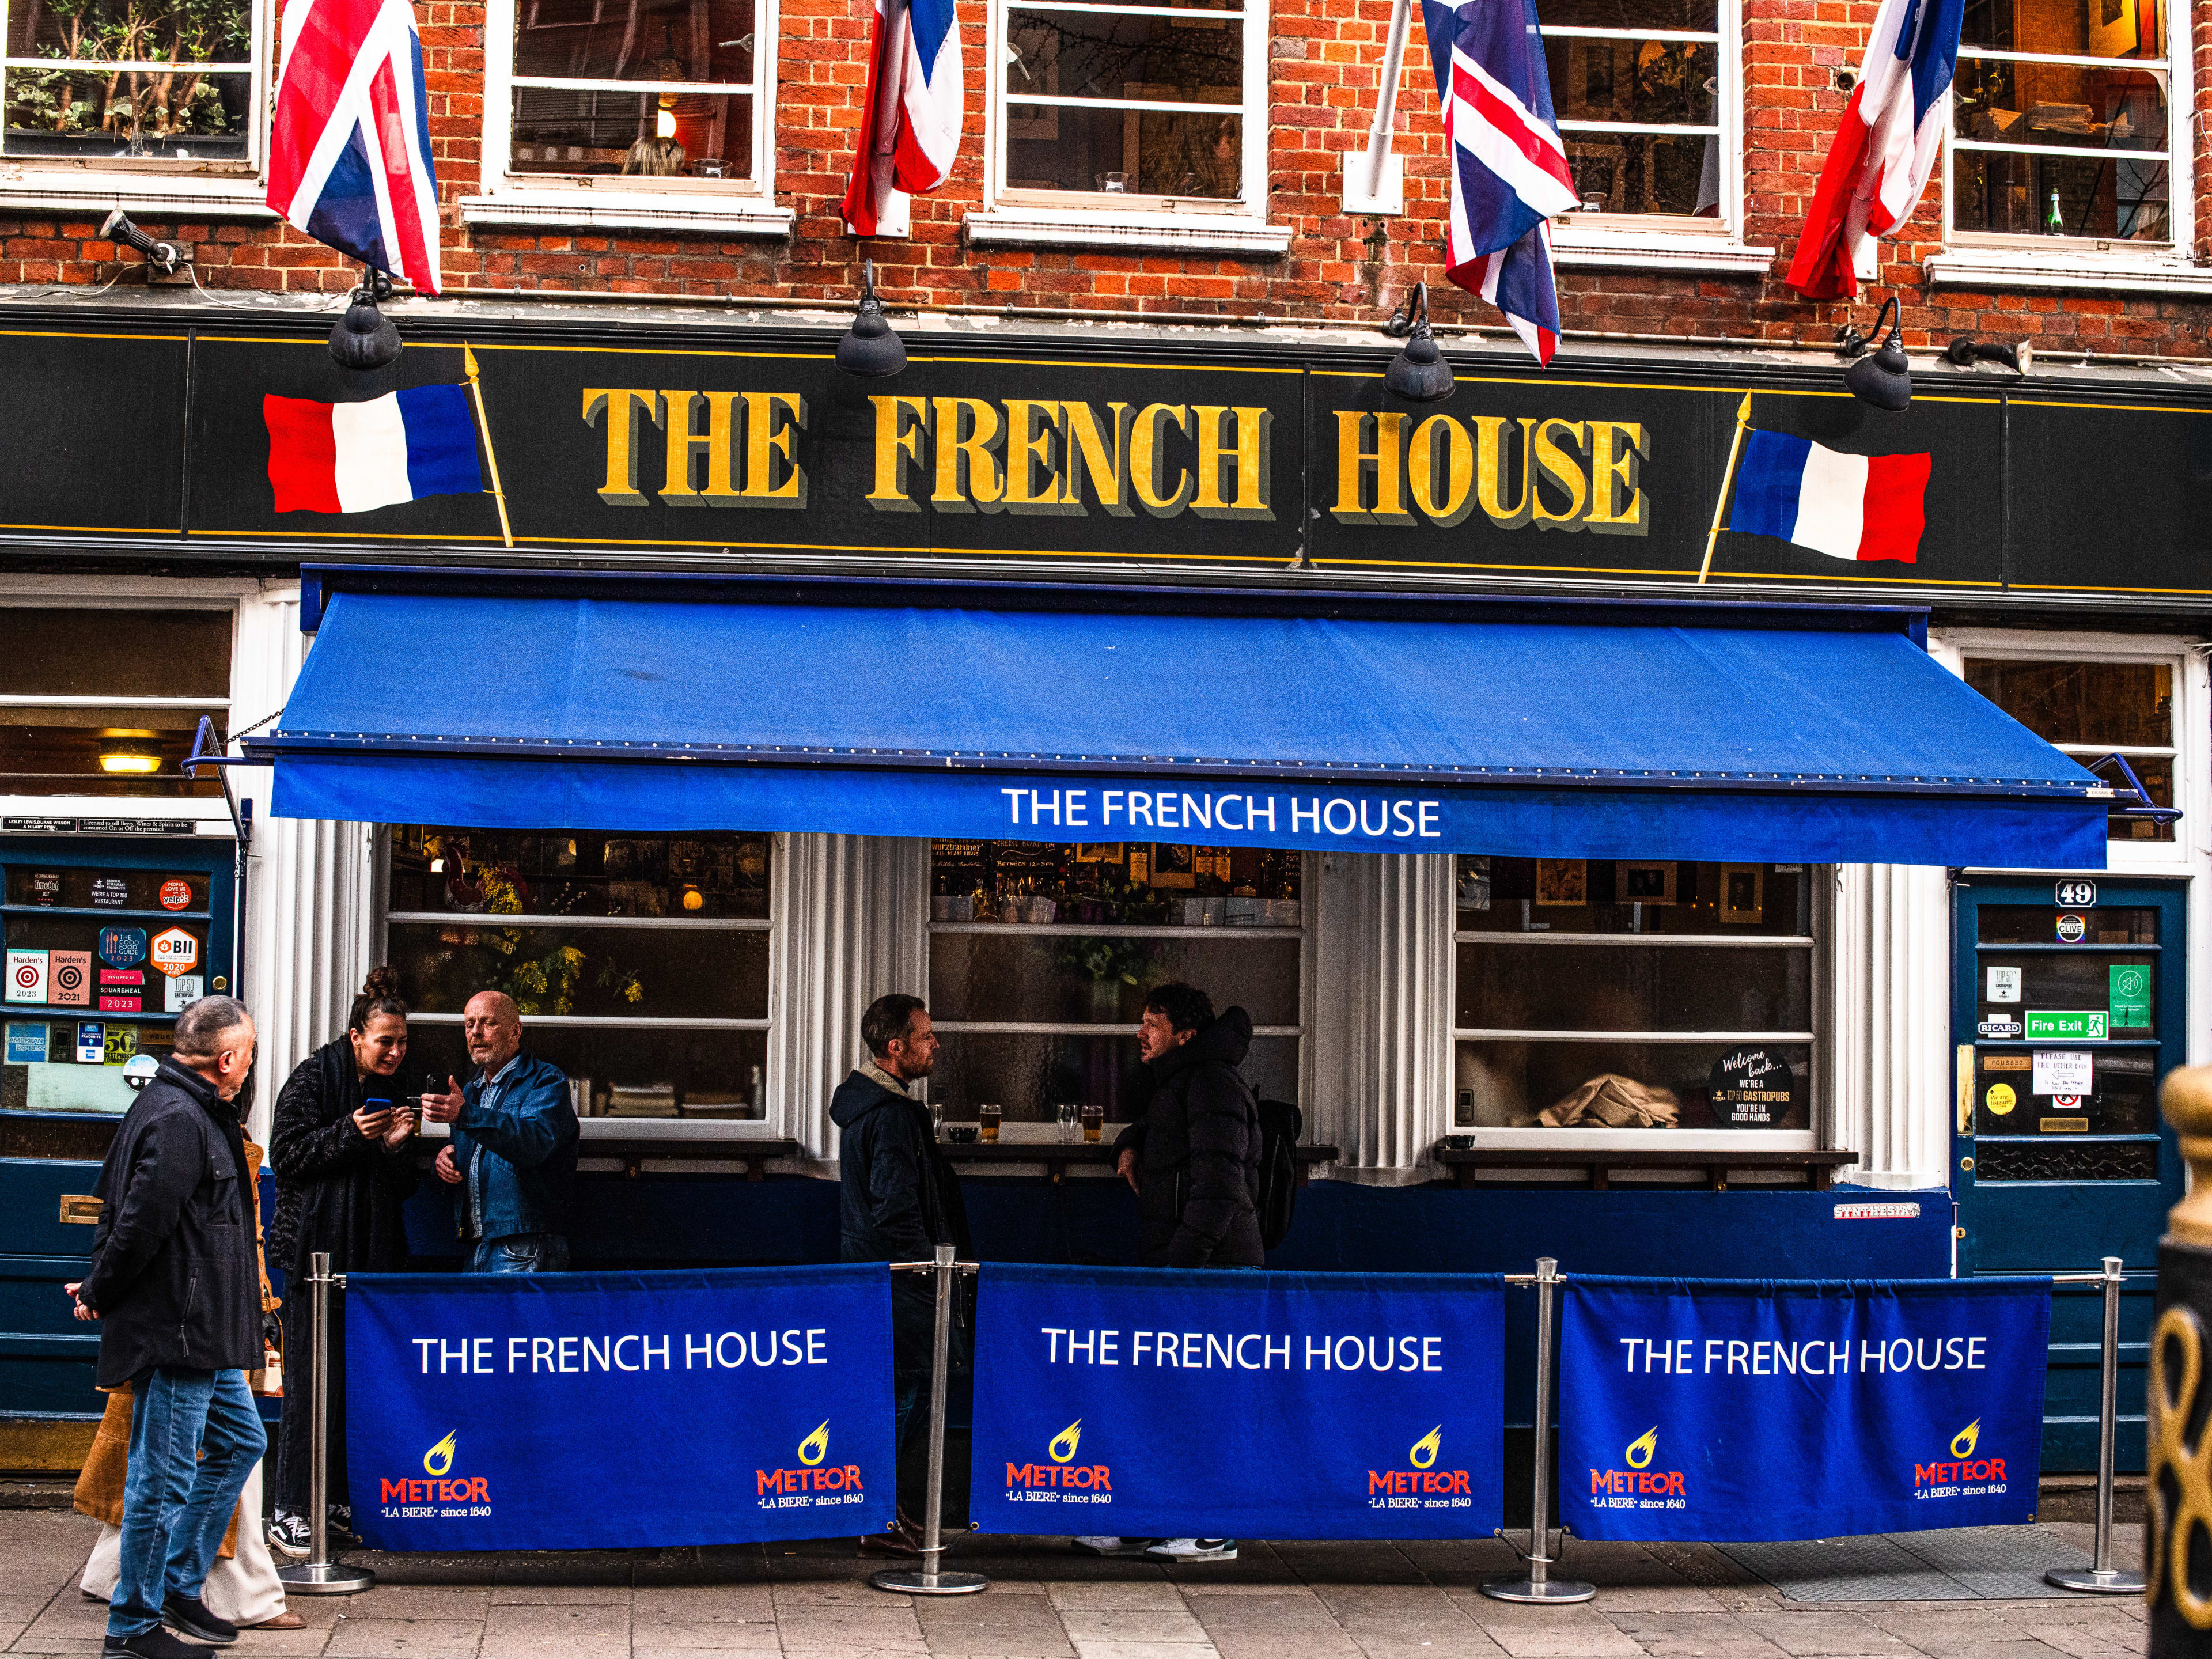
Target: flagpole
(1728, 479)
(1371, 184)
(484, 426)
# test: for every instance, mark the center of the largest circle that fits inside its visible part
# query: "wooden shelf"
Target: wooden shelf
(1466, 1163)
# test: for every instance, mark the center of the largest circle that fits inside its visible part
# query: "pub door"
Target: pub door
(2068, 1008)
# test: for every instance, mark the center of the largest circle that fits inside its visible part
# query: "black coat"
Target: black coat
(174, 1275)
(337, 1190)
(898, 1197)
(1197, 1140)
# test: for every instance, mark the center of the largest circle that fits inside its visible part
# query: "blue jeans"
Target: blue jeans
(520, 1252)
(177, 1503)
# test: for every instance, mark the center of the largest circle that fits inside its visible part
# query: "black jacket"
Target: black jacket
(1197, 1140)
(174, 1277)
(898, 1197)
(335, 1189)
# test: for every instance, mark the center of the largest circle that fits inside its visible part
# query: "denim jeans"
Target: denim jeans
(520, 1252)
(177, 1503)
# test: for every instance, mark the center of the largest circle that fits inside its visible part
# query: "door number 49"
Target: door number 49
(2076, 895)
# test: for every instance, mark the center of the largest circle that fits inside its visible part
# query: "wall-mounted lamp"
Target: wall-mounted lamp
(1419, 373)
(365, 338)
(870, 349)
(1965, 351)
(1882, 377)
(166, 257)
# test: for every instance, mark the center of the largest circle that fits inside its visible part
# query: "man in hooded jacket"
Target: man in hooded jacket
(898, 1200)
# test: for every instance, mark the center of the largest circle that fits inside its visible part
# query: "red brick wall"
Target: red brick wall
(1326, 57)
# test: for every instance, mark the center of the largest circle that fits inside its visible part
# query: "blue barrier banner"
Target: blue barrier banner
(1752, 1411)
(1143, 1403)
(618, 1410)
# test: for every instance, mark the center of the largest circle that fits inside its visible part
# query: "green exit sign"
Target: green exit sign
(2088, 1026)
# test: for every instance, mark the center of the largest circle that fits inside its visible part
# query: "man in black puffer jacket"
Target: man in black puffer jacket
(175, 1286)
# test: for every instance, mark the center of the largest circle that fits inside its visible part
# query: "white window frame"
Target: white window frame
(1088, 219)
(1668, 242)
(2087, 264)
(228, 190)
(1818, 1039)
(734, 207)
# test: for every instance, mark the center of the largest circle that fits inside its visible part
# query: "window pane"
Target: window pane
(578, 872)
(1062, 978)
(2115, 702)
(634, 973)
(1167, 56)
(1631, 896)
(69, 653)
(2122, 1101)
(1631, 15)
(2037, 924)
(2060, 104)
(1660, 83)
(1642, 173)
(2156, 777)
(133, 30)
(1627, 987)
(2113, 197)
(1639, 1085)
(695, 40)
(98, 751)
(186, 115)
(1126, 882)
(2074, 28)
(1028, 1076)
(629, 1072)
(633, 134)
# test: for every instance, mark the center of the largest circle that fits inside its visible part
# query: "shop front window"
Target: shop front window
(130, 82)
(105, 702)
(2094, 711)
(1650, 994)
(640, 963)
(2061, 123)
(1041, 956)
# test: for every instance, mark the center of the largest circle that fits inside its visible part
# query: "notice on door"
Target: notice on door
(2062, 1071)
(2131, 995)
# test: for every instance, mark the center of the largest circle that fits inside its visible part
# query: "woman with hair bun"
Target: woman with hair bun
(344, 1168)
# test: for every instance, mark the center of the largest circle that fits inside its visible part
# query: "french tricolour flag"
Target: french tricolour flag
(910, 127)
(1891, 134)
(1848, 507)
(348, 458)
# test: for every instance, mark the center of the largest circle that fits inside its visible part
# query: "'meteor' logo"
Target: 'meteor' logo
(1421, 1477)
(811, 1477)
(1424, 1454)
(815, 1446)
(1964, 1442)
(440, 1458)
(1639, 1486)
(1062, 1449)
(1062, 1471)
(1638, 1455)
(1963, 1468)
(421, 1495)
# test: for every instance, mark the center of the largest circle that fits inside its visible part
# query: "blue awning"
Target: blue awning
(1573, 739)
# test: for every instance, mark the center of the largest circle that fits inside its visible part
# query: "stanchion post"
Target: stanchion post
(1538, 1585)
(318, 1575)
(2100, 1577)
(929, 1581)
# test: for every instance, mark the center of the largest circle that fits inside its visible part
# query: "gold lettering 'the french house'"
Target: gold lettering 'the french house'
(1555, 474)
(703, 461)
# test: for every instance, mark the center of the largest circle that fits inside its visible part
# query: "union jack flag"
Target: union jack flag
(349, 148)
(1508, 170)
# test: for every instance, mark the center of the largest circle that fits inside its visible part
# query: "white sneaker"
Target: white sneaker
(1193, 1549)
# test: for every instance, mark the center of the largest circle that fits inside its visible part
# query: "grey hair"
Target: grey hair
(203, 1025)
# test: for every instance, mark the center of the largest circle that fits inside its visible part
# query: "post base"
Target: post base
(2090, 1582)
(325, 1578)
(1531, 1589)
(913, 1581)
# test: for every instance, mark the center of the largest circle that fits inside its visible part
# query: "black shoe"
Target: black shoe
(188, 1616)
(290, 1537)
(155, 1643)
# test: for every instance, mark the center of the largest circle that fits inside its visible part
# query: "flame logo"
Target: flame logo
(1064, 1444)
(815, 1446)
(440, 1458)
(1425, 1449)
(1962, 1443)
(1640, 1449)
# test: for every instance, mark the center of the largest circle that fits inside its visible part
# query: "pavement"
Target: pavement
(1279, 1600)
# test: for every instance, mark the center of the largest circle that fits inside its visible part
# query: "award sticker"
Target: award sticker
(2004, 985)
(26, 976)
(91, 1043)
(180, 991)
(175, 951)
(2001, 1098)
(70, 980)
(110, 892)
(123, 947)
(176, 895)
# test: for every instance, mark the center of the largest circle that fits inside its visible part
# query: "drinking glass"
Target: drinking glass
(1068, 1115)
(1094, 1123)
(987, 1122)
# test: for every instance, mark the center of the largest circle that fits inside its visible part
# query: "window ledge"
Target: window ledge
(1598, 250)
(746, 216)
(2075, 271)
(87, 190)
(1168, 233)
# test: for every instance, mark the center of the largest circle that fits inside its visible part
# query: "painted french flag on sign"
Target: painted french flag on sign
(348, 458)
(1848, 507)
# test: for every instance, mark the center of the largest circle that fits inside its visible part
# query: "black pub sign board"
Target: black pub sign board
(680, 445)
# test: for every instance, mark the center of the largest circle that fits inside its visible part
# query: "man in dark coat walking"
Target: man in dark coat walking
(175, 1286)
(1193, 1155)
(898, 1200)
